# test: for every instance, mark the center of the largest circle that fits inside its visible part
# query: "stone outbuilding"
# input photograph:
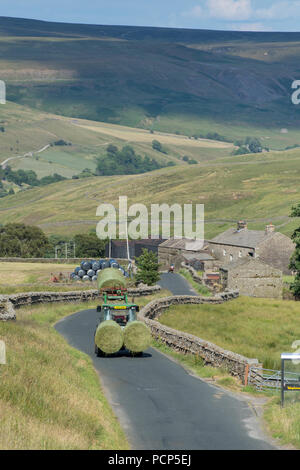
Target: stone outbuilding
(271, 247)
(252, 278)
(178, 250)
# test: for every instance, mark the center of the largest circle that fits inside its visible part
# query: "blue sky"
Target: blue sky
(245, 15)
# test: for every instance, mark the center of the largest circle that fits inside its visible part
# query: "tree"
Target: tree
(148, 266)
(24, 241)
(89, 246)
(295, 259)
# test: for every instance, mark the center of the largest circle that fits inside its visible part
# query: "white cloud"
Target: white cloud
(230, 9)
(243, 10)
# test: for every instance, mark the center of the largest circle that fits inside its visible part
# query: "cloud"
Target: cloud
(279, 11)
(230, 9)
(243, 10)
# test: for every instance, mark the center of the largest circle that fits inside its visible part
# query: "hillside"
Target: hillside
(259, 188)
(172, 80)
(25, 143)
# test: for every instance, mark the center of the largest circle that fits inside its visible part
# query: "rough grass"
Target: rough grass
(284, 423)
(22, 273)
(50, 396)
(256, 328)
(202, 290)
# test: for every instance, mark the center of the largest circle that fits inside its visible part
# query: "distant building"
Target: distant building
(119, 247)
(253, 278)
(271, 247)
(176, 250)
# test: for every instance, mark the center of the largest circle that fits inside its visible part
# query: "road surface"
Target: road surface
(159, 404)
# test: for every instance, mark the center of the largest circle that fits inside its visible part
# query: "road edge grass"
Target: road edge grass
(199, 288)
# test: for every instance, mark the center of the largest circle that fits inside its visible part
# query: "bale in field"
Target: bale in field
(109, 337)
(137, 336)
(111, 277)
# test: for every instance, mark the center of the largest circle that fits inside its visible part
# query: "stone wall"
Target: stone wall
(13, 301)
(212, 354)
(7, 311)
(53, 260)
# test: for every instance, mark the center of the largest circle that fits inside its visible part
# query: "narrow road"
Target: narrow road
(28, 154)
(159, 404)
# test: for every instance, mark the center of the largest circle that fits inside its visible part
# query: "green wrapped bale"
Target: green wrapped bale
(110, 278)
(137, 336)
(109, 337)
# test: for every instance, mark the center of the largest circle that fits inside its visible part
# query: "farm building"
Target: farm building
(119, 247)
(252, 277)
(271, 247)
(177, 250)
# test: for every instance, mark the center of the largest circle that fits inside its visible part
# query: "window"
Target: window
(240, 254)
(224, 253)
(231, 258)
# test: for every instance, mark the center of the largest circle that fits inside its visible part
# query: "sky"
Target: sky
(241, 15)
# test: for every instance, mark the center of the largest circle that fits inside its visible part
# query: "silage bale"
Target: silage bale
(81, 273)
(76, 278)
(86, 265)
(96, 266)
(76, 270)
(137, 336)
(111, 278)
(109, 337)
(91, 273)
(94, 278)
(86, 278)
(105, 264)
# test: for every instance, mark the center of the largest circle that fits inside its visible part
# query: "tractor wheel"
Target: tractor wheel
(98, 352)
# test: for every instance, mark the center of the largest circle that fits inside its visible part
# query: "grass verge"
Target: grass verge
(50, 397)
(202, 290)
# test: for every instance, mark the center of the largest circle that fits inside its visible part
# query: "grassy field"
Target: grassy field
(30, 273)
(259, 188)
(256, 328)
(29, 130)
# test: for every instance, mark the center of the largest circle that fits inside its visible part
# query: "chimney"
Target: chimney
(242, 225)
(270, 228)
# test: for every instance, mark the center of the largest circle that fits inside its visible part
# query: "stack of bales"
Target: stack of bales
(89, 270)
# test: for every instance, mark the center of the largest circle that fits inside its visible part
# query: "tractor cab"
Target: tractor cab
(117, 308)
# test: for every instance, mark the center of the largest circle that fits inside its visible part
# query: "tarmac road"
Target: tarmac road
(159, 404)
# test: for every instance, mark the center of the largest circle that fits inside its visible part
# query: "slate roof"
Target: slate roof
(177, 243)
(199, 257)
(243, 238)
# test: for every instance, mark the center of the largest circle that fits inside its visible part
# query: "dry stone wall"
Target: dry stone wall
(212, 354)
(9, 302)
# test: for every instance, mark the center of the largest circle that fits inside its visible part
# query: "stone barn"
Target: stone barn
(271, 247)
(175, 250)
(253, 278)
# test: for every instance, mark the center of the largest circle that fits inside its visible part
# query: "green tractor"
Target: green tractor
(118, 328)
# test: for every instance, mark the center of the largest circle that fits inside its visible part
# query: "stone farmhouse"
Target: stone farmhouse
(175, 251)
(253, 278)
(269, 246)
